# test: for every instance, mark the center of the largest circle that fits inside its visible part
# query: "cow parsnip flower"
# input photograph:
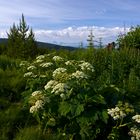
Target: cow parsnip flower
(40, 57)
(37, 93)
(38, 105)
(59, 72)
(23, 63)
(134, 133)
(136, 118)
(46, 65)
(85, 66)
(31, 68)
(116, 113)
(78, 75)
(57, 58)
(51, 84)
(30, 74)
(60, 88)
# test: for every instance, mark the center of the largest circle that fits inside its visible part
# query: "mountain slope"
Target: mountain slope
(43, 45)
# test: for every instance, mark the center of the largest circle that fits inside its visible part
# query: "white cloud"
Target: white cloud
(75, 35)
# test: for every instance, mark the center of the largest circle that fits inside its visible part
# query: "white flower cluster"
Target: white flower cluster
(31, 68)
(86, 66)
(38, 105)
(135, 133)
(30, 74)
(39, 61)
(23, 63)
(116, 113)
(51, 84)
(46, 65)
(57, 58)
(59, 71)
(136, 118)
(59, 88)
(40, 57)
(70, 62)
(37, 100)
(79, 75)
(37, 93)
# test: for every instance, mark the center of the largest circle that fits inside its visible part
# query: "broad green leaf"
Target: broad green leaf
(104, 116)
(98, 99)
(79, 109)
(64, 108)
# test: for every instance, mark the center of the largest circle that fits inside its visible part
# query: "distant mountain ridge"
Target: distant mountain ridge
(43, 45)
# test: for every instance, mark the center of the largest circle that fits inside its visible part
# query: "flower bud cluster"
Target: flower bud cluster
(60, 88)
(23, 63)
(57, 58)
(51, 84)
(37, 100)
(38, 105)
(31, 68)
(135, 133)
(136, 118)
(116, 113)
(30, 74)
(85, 66)
(40, 57)
(58, 72)
(46, 65)
(78, 75)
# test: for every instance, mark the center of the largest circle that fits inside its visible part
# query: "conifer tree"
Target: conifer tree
(13, 42)
(21, 41)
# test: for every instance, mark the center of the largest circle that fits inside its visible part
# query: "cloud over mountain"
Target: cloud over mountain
(79, 34)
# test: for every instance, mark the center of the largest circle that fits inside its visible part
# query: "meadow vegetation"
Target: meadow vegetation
(84, 94)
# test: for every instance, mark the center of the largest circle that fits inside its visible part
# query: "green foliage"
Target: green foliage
(79, 110)
(31, 133)
(131, 39)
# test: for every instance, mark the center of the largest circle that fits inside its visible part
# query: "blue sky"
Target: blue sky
(70, 20)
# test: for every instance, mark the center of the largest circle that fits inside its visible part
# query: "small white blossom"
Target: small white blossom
(116, 113)
(30, 74)
(70, 62)
(33, 109)
(36, 93)
(23, 63)
(86, 66)
(59, 88)
(136, 118)
(51, 84)
(79, 75)
(39, 61)
(59, 71)
(57, 58)
(40, 57)
(31, 68)
(46, 65)
(38, 105)
(135, 133)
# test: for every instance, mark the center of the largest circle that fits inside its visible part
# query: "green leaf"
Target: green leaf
(104, 116)
(79, 109)
(64, 108)
(98, 99)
